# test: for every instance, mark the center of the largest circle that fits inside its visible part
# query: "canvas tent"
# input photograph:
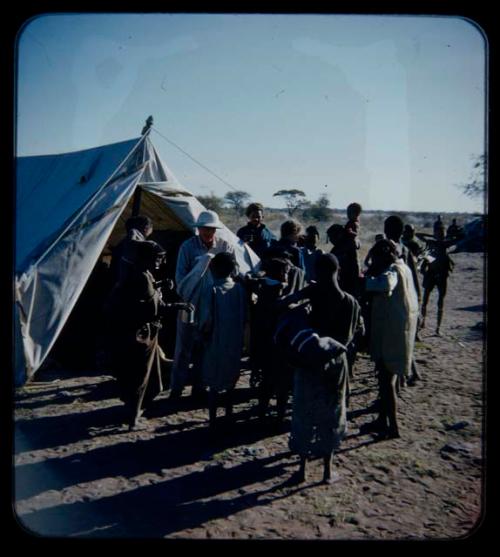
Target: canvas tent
(69, 207)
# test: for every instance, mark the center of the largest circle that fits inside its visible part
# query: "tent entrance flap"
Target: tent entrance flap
(51, 286)
(152, 206)
(84, 332)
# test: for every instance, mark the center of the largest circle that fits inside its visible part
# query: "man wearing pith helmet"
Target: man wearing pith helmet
(187, 342)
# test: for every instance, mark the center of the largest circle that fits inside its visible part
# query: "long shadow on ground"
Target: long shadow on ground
(168, 449)
(65, 427)
(162, 509)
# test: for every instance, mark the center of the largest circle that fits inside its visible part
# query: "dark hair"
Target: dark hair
(276, 251)
(254, 207)
(384, 250)
(223, 264)
(140, 222)
(290, 227)
(148, 251)
(393, 226)
(312, 230)
(274, 266)
(334, 230)
(354, 208)
(326, 264)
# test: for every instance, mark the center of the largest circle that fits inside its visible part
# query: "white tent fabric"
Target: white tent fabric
(66, 208)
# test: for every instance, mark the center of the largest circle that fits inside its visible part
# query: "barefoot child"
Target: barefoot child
(320, 382)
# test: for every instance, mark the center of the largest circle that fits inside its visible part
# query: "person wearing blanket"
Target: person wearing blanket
(318, 341)
(187, 344)
(222, 313)
(394, 316)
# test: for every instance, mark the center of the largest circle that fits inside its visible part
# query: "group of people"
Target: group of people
(302, 318)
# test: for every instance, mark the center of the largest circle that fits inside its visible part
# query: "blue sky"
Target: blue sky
(386, 111)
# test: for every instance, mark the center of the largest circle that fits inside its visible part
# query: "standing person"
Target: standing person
(288, 247)
(187, 344)
(345, 250)
(438, 224)
(267, 360)
(393, 229)
(135, 310)
(454, 232)
(319, 393)
(352, 226)
(368, 259)
(290, 232)
(222, 316)
(255, 233)
(311, 252)
(138, 229)
(436, 268)
(411, 242)
(394, 322)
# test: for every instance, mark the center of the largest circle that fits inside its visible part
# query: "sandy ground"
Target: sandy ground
(80, 473)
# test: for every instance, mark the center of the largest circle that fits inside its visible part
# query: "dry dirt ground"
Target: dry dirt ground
(80, 473)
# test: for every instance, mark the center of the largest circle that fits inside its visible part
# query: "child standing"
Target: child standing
(311, 252)
(319, 394)
(353, 225)
(221, 322)
(275, 375)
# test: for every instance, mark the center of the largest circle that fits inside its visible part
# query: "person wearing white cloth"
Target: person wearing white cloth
(192, 278)
(394, 322)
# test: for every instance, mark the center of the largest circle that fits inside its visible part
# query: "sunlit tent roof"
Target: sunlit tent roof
(68, 207)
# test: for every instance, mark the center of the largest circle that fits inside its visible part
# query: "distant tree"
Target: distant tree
(319, 210)
(237, 200)
(212, 202)
(294, 199)
(476, 185)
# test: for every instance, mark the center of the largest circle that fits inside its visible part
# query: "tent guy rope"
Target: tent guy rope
(194, 160)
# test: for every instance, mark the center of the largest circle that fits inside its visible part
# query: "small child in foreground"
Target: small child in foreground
(222, 320)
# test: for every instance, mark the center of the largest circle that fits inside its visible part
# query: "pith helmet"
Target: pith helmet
(209, 219)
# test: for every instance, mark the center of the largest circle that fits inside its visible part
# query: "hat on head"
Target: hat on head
(210, 219)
